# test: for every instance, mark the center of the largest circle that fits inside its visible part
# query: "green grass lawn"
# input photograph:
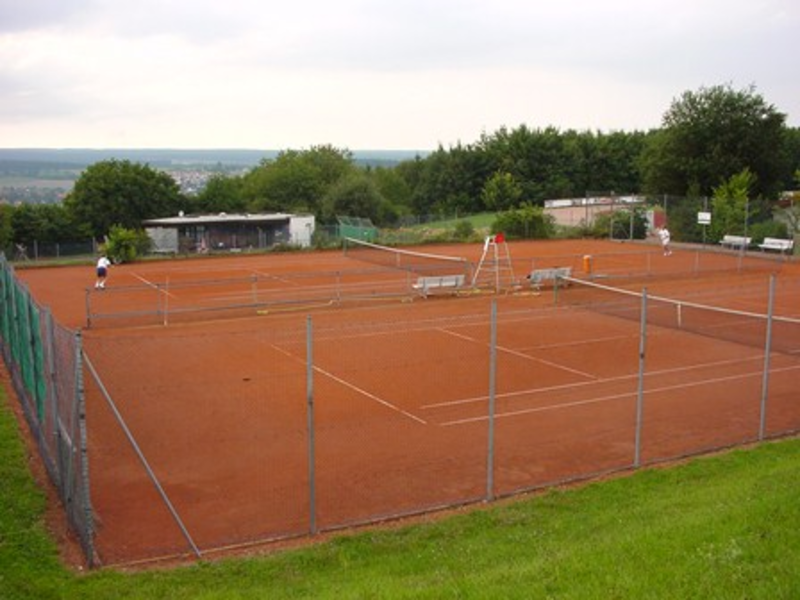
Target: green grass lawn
(479, 221)
(722, 527)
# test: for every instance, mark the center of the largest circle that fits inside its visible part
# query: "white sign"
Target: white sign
(704, 218)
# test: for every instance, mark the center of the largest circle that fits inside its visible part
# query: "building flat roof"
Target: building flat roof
(220, 218)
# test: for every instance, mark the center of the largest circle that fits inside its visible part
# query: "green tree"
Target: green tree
(730, 205)
(501, 192)
(451, 182)
(393, 187)
(222, 193)
(296, 181)
(6, 227)
(357, 196)
(28, 224)
(712, 134)
(549, 163)
(115, 192)
(683, 225)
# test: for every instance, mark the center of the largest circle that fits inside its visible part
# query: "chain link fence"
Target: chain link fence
(44, 361)
(218, 436)
(309, 423)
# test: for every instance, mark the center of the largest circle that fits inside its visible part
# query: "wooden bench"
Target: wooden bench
(538, 277)
(428, 285)
(736, 241)
(778, 244)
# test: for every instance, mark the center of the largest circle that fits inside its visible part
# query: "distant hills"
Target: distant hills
(176, 158)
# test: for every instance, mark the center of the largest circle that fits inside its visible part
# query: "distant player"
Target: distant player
(103, 265)
(664, 236)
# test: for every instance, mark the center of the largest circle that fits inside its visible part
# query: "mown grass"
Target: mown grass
(479, 221)
(726, 526)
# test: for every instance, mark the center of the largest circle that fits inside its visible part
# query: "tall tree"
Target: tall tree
(501, 192)
(356, 196)
(296, 180)
(393, 187)
(730, 205)
(115, 192)
(222, 193)
(712, 134)
(6, 226)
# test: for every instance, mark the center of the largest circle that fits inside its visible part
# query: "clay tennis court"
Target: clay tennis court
(217, 399)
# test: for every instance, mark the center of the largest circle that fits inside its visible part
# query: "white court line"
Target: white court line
(353, 387)
(567, 386)
(371, 396)
(523, 355)
(517, 413)
(274, 277)
(153, 285)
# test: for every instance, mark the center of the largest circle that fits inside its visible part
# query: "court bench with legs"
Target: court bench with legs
(438, 283)
(538, 277)
(777, 244)
(736, 241)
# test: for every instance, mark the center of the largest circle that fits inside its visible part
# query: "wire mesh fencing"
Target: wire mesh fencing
(220, 435)
(209, 438)
(44, 361)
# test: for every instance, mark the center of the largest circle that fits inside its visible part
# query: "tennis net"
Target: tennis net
(407, 260)
(737, 326)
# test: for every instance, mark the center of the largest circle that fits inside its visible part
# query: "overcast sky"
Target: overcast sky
(373, 74)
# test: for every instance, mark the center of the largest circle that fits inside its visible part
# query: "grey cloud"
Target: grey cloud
(27, 15)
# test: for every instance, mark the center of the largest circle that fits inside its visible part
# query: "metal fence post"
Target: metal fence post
(138, 451)
(312, 487)
(84, 484)
(88, 309)
(52, 399)
(767, 348)
(492, 385)
(637, 460)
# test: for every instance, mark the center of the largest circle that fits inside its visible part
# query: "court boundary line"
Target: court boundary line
(352, 386)
(599, 381)
(154, 285)
(371, 396)
(519, 354)
(662, 389)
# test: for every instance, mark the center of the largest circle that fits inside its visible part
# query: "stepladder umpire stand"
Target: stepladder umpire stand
(495, 269)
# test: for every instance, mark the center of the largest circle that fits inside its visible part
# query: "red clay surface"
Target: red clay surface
(218, 402)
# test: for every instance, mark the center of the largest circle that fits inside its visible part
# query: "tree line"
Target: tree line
(708, 139)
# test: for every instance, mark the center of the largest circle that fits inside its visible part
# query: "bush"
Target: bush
(525, 222)
(775, 229)
(464, 230)
(126, 245)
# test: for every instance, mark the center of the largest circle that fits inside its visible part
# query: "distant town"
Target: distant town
(42, 175)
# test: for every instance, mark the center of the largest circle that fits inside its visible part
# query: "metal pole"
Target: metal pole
(767, 348)
(637, 460)
(611, 223)
(84, 485)
(148, 469)
(746, 218)
(159, 310)
(492, 385)
(88, 309)
(630, 229)
(51, 391)
(312, 487)
(166, 303)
